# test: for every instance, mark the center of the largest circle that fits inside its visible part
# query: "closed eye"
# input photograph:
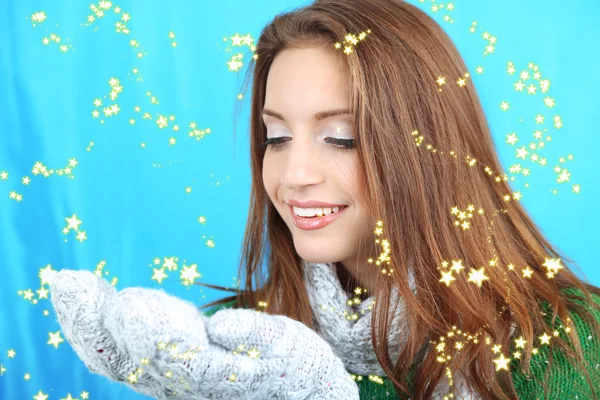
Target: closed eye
(337, 143)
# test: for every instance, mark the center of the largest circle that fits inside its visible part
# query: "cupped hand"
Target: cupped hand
(164, 347)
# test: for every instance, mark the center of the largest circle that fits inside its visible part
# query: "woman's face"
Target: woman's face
(304, 166)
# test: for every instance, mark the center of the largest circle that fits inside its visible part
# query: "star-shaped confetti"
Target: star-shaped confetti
(501, 362)
(477, 276)
(189, 274)
(55, 339)
(40, 396)
(159, 275)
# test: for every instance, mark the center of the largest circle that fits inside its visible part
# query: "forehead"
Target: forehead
(302, 81)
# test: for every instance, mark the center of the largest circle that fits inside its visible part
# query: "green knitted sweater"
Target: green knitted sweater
(563, 381)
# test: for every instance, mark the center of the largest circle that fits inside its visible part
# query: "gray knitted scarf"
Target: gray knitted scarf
(350, 338)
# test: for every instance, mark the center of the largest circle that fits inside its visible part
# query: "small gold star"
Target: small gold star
(527, 272)
(253, 353)
(545, 338)
(40, 396)
(520, 342)
(55, 339)
(477, 276)
(457, 266)
(501, 362)
(447, 278)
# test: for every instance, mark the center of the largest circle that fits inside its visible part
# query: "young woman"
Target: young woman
(348, 120)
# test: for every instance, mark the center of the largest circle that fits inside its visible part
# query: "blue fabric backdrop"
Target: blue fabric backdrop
(117, 151)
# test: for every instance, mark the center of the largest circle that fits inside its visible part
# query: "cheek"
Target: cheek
(351, 181)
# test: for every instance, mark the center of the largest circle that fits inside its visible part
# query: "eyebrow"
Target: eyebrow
(318, 116)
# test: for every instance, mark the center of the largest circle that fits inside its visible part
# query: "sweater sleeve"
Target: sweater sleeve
(381, 388)
(563, 380)
(214, 309)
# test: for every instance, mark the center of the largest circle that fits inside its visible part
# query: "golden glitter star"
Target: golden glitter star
(132, 378)
(545, 338)
(236, 40)
(189, 274)
(447, 278)
(81, 236)
(553, 264)
(501, 362)
(40, 396)
(28, 295)
(477, 276)
(46, 275)
(254, 353)
(512, 138)
(457, 266)
(520, 342)
(170, 263)
(42, 293)
(522, 152)
(55, 339)
(73, 222)
(159, 275)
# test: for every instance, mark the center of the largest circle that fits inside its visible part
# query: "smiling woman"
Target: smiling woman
(313, 121)
(307, 159)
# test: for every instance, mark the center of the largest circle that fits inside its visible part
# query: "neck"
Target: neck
(349, 282)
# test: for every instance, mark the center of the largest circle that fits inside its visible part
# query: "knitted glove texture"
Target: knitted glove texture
(164, 347)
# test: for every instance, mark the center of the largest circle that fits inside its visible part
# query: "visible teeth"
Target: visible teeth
(312, 212)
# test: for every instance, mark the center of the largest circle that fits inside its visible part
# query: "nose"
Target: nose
(302, 167)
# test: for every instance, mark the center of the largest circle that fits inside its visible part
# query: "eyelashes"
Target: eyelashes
(339, 144)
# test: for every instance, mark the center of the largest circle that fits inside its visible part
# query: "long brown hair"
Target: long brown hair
(423, 151)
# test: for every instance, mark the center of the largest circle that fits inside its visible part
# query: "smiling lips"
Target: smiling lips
(312, 204)
(311, 223)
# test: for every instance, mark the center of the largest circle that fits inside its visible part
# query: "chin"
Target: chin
(317, 257)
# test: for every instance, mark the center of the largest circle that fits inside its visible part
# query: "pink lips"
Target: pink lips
(315, 222)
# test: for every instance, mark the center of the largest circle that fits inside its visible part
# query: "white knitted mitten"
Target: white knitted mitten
(164, 347)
